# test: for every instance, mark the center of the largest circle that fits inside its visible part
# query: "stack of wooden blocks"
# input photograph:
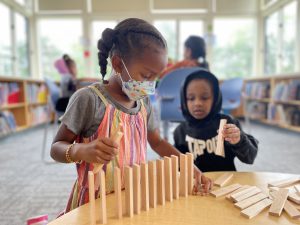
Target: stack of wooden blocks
(146, 185)
(251, 200)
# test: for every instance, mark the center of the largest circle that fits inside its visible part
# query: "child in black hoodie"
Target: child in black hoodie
(201, 102)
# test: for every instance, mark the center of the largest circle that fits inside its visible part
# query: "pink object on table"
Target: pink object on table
(61, 66)
(38, 220)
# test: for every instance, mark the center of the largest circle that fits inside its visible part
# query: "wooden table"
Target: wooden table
(205, 210)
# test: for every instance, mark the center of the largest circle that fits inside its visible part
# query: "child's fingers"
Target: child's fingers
(101, 161)
(105, 156)
(109, 142)
(107, 149)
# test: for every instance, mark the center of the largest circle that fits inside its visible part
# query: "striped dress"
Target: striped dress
(132, 149)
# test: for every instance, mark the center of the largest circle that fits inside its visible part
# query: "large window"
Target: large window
(6, 63)
(280, 40)
(187, 28)
(233, 47)
(58, 37)
(168, 30)
(97, 28)
(22, 50)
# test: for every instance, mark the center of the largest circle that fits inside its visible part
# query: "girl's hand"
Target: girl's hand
(231, 133)
(202, 185)
(101, 150)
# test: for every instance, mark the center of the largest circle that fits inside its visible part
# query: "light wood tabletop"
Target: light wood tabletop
(204, 210)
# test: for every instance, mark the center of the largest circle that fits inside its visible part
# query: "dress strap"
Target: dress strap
(101, 96)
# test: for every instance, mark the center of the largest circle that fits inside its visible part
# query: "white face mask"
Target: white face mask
(136, 90)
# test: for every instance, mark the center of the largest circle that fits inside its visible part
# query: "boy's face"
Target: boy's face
(199, 96)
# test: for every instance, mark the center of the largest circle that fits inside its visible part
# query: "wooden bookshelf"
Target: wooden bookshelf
(26, 109)
(270, 96)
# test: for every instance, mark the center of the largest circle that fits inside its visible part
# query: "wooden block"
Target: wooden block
(103, 214)
(168, 179)
(161, 196)
(183, 179)
(128, 191)
(255, 209)
(118, 192)
(291, 189)
(228, 197)
(92, 197)
(250, 201)
(294, 197)
(136, 189)
(220, 140)
(222, 180)
(291, 210)
(225, 190)
(278, 202)
(144, 187)
(283, 183)
(152, 184)
(190, 165)
(297, 187)
(241, 193)
(175, 178)
(252, 192)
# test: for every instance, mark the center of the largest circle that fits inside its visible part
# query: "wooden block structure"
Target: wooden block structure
(161, 199)
(278, 202)
(118, 192)
(152, 184)
(255, 209)
(224, 179)
(168, 179)
(144, 187)
(175, 177)
(220, 140)
(92, 197)
(190, 165)
(136, 189)
(128, 191)
(183, 179)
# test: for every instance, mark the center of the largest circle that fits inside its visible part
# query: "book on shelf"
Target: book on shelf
(287, 91)
(7, 123)
(258, 89)
(36, 93)
(9, 93)
(257, 110)
(286, 115)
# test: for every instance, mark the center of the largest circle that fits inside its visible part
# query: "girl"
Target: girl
(138, 52)
(201, 103)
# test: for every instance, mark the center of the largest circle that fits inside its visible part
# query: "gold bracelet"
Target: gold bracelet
(68, 156)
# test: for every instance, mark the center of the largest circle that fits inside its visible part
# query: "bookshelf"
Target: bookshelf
(22, 104)
(274, 100)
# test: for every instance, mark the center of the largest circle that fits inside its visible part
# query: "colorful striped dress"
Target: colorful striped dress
(132, 149)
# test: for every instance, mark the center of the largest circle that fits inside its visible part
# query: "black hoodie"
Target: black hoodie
(200, 136)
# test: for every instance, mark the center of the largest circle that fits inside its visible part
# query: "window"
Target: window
(233, 47)
(22, 50)
(168, 30)
(98, 27)
(280, 40)
(271, 43)
(21, 2)
(188, 28)
(58, 37)
(6, 63)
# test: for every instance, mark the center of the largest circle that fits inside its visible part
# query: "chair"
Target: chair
(232, 94)
(168, 92)
(54, 96)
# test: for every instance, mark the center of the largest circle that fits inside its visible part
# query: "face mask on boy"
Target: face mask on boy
(136, 90)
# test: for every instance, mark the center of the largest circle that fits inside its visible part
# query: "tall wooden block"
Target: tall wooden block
(168, 179)
(220, 140)
(183, 176)
(118, 191)
(103, 215)
(92, 197)
(160, 182)
(190, 159)
(144, 187)
(175, 178)
(136, 189)
(128, 191)
(152, 184)
(279, 201)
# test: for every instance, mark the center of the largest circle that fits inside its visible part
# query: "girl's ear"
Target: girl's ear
(116, 63)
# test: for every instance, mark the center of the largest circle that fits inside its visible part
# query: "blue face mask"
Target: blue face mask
(136, 90)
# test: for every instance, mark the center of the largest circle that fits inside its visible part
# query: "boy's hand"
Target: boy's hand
(231, 133)
(202, 184)
(101, 150)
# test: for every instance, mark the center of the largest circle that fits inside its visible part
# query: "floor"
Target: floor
(31, 187)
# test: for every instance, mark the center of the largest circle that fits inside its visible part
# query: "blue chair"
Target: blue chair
(168, 92)
(231, 90)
